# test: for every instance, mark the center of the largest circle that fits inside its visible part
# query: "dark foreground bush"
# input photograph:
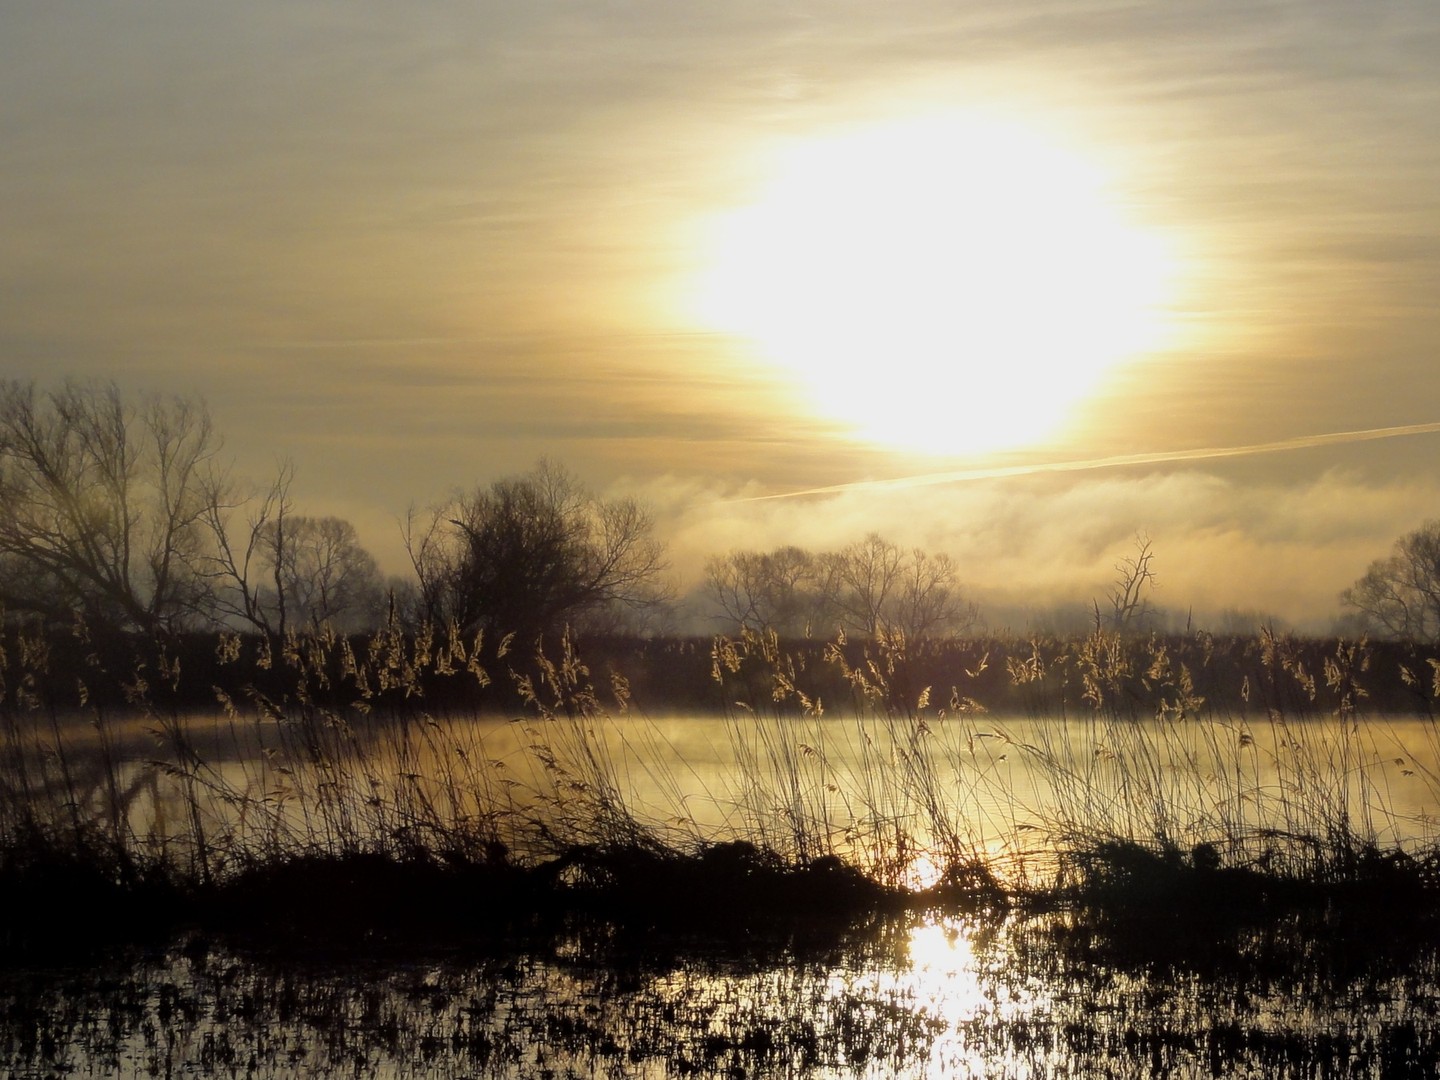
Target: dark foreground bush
(66, 900)
(1131, 906)
(1131, 903)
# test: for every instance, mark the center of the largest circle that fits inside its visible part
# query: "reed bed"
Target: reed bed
(856, 783)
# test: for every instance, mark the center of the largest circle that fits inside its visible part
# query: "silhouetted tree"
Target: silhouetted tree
(776, 590)
(321, 573)
(928, 602)
(871, 586)
(1399, 595)
(241, 569)
(859, 581)
(1129, 609)
(102, 505)
(875, 586)
(529, 554)
(278, 571)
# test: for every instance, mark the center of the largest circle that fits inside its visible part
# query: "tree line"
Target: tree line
(124, 513)
(873, 586)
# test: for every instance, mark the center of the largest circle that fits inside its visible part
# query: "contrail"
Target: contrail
(1302, 442)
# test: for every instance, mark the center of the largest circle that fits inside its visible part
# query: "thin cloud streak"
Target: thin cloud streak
(1302, 442)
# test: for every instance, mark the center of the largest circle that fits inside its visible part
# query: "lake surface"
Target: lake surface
(1009, 790)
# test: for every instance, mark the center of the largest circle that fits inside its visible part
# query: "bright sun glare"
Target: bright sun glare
(950, 285)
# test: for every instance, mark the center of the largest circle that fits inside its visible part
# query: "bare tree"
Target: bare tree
(792, 577)
(103, 504)
(277, 571)
(432, 541)
(1399, 595)
(1130, 609)
(242, 565)
(736, 583)
(859, 581)
(928, 602)
(321, 573)
(531, 553)
(875, 586)
(777, 590)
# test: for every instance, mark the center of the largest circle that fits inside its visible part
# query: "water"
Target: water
(930, 996)
(929, 993)
(1009, 790)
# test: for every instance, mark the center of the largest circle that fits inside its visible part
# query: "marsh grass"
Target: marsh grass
(860, 786)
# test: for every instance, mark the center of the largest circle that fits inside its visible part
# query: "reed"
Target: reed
(859, 784)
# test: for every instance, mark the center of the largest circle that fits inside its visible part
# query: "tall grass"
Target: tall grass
(852, 771)
(1154, 783)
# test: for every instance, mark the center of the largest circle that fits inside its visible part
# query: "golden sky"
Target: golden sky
(708, 252)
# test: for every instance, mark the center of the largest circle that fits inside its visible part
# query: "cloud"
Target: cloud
(1044, 539)
(1302, 442)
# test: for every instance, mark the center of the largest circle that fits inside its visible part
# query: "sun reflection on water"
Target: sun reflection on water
(944, 967)
(942, 994)
(923, 872)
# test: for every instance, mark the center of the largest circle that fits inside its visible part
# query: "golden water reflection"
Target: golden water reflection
(900, 802)
(940, 995)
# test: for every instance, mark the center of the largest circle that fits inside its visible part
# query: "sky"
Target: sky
(1017, 282)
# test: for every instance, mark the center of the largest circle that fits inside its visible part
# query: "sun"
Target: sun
(950, 284)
